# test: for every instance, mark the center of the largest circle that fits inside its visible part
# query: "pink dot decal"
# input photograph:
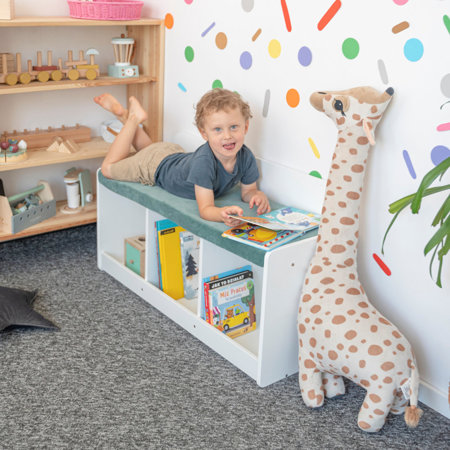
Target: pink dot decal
(188, 2)
(400, 2)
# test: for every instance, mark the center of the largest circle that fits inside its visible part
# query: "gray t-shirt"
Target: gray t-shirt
(178, 173)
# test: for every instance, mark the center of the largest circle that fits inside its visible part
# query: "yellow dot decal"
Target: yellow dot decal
(274, 48)
(314, 148)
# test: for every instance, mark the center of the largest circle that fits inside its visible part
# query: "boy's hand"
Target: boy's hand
(225, 214)
(260, 201)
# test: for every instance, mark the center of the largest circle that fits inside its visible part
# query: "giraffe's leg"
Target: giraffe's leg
(333, 384)
(310, 380)
(400, 403)
(374, 410)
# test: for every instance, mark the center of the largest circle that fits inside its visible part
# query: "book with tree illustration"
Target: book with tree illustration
(228, 301)
(273, 229)
(190, 250)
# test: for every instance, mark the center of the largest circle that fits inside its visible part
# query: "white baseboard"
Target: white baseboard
(434, 398)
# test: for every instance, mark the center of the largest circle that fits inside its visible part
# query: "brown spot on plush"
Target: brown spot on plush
(340, 347)
(363, 305)
(327, 280)
(341, 139)
(374, 109)
(337, 249)
(311, 394)
(352, 276)
(400, 347)
(363, 425)
(351, 312)
(301, 328)
(375, 398)
(339, 301)
(316, 269)
(335, 230)
(353, 348)
(347, 178)
(332, 355)
(353, 195)
(315, 290)
(312, 342)
(318, 321)
(387, 342)
(410, 364)
(353, 291)
(396, 334)
(330, 193)
(350, 242)
(357, 168)
(375, 350)
(353, 151)
(365, 315)
(362, 364)
(356, 117)
(350, 334)
(310, 364)
(319, 399)
(378, 412)
(387, 380)
(315, 309)
(337, 320)
(329, 291)
(340, 121)
(345, 369)
(365, 383)
(342, 204)
(374, 377)
(384, 321)
(362, 140)
(349, 262)
(387, 366)
(327, 333)
(306, 298)
(304, 377)
(346, 221)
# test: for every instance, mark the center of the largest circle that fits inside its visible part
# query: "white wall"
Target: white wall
(408, 296)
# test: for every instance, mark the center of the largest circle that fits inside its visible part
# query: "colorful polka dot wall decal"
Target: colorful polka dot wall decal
(439, 154)
(331, 12)
(446, 20)
(168, 21)
(445, 85)
(287, 19)
(400, 27)
(217, 84)
(189, 53)
(188, 2)
(274, 48)
(408, 163)
(316, 174)
(247, 5)
(443, 127)
(292, 98)
(182, 87)
(246, 60)
(256, 35)
(314, 148)
(382, 71)
(350, 48)
(221, 40)
(304, 56)
(413, 49)
(382, 265)
(266, 103)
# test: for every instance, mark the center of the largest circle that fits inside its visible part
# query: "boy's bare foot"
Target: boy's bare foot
(136, 110)
(111, 104)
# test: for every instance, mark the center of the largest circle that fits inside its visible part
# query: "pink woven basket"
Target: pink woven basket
(105, 9)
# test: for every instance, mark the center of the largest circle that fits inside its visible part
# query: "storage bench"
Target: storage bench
(267, 354)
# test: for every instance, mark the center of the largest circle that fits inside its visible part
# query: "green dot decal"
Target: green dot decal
(217, 84)
(189, 53)
(316, 174)
(350, 48)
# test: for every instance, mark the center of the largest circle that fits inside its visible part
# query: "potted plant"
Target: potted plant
(440, 241)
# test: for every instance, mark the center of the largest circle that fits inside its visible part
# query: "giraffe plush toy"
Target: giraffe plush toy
(341, 334)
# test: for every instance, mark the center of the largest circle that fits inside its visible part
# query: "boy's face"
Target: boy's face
(225, 131)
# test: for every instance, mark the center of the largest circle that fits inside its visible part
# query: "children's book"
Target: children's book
(287, 218)
(190, 251)
(169, 252)
(228, 301)
(273, 229)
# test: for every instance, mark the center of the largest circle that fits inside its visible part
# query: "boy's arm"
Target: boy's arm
(255, 197)
(208, 210)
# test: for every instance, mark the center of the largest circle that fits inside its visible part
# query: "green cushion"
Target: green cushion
(184, 212)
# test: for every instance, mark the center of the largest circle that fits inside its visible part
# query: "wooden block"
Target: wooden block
(71, 145)
(7, 9)
(135, 254)
(10, 62)
(64, 148)
(54, 146)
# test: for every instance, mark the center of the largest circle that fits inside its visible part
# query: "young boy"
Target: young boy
(222, 118)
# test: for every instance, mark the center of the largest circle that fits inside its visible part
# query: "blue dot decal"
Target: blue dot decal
(413, 49)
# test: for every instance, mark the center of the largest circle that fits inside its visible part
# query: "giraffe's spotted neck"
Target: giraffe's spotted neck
(338, 232)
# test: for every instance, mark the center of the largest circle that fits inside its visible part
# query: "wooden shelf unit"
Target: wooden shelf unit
(147, 88)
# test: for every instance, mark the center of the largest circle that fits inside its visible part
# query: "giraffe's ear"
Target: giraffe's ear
(367, 126)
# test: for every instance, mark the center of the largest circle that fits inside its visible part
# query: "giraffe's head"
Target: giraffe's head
(357, 107)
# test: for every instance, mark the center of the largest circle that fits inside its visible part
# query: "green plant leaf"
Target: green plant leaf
(390, 225)
(443, 212)
(434, 173)
(439, 236)
(405, 201)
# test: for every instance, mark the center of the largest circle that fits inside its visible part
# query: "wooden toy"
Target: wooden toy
(43, 138)
(79, 190)
(6, 9)
(10, 62)
(123, 54)
(12, 151)
(13, 223)
(72, 69)
(63, 146)
(135, 254)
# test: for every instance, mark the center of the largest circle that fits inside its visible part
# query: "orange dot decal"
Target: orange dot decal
(221, 40)
(168, 21)
(292, 98)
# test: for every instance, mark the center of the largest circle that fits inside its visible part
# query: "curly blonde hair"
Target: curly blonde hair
(218, 100)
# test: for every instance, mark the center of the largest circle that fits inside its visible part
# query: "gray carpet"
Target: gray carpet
(120, 375)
